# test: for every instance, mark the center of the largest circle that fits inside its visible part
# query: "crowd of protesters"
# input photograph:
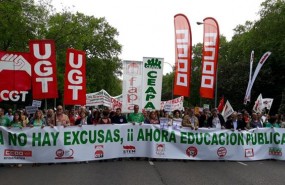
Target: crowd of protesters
(77, 117)
(188, 118)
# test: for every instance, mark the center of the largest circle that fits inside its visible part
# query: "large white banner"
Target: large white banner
(89, 142)
(171, 105)
(98, 98)
(132, 85)
(152, 83)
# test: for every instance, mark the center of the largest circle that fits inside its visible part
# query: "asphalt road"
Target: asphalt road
(132, 172)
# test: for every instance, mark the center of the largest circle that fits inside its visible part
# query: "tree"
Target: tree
(96, 37)
(21, 20)
(263, 35)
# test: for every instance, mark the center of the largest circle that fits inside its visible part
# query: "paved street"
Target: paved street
(148, 172)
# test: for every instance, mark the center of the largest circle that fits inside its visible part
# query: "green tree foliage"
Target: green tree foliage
(167, 87)
(97, 38)
(266, 34)
(20, 21)
(23, 20)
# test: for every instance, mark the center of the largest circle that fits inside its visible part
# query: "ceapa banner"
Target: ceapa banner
(152, 83)
(89, 142)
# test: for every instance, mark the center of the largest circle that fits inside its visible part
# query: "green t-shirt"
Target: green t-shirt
(38, 122)
(276, 125)
(135, 118)
(16, 124)
(4, 121)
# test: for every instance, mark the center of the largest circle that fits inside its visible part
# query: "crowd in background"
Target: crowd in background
(92, 116)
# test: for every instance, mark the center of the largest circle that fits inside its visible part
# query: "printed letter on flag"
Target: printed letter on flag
(44, 78)
(183, 60)
(132, 85)
(211, 39)
(75, 78)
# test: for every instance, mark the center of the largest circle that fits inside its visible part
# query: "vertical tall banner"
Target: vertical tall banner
(44, 80)
(258, 67)
(152, 83)
(211, 38)
(15, 68)
(132, 85)
(247, 95)
(75, 78)
(183, 59)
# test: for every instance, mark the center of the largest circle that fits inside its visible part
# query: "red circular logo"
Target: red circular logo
(59, 153)
(222, 152)
(192, 151)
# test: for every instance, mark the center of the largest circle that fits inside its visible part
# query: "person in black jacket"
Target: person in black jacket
(216, 120)
(236, 122)
(119, 118)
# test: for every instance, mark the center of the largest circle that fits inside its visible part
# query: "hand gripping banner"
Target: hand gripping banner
(183, 60)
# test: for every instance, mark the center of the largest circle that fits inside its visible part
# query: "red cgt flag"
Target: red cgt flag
(221, 105)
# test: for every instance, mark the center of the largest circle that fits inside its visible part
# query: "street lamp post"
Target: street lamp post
(216, 86)
(172, 81)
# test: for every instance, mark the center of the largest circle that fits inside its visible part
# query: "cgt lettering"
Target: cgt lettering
(13, 95)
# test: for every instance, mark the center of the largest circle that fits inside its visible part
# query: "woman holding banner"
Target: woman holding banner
(153, 118)
(38, 119)
(105, 118)
(16, 123)
(82, 120)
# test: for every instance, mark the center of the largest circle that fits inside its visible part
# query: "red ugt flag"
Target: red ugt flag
(75, 78)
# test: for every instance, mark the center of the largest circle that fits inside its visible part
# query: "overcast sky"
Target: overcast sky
(146, 27)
